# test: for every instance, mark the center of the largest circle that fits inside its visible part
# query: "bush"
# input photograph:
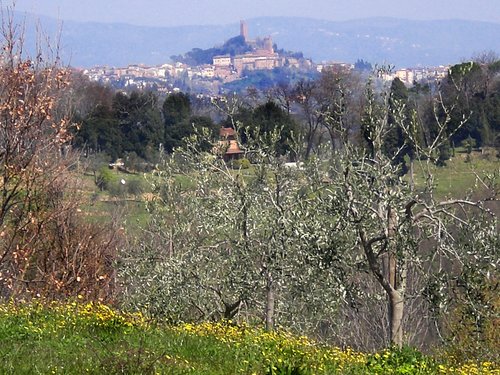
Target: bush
(444, 154)
(406, 360)
(469, 144)
(117, 189)
(135, 187)
(104, 178)
(241, 164)
(134, 163)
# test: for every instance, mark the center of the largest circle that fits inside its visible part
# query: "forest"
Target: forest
(333, 224)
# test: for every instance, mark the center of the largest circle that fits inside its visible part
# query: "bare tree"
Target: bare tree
(312, 108)
(44, 245)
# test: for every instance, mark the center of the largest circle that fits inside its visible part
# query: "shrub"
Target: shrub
(406, 360)
(135, 187)
(117, 188)
(241, 164)
(132, 161)
(104, 178)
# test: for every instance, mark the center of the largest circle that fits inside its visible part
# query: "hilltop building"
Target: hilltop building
(224, 60)
(231, 66)
(244, 30)
(223, 67)
(261, 57)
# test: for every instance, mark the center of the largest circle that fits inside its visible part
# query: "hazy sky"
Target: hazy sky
(197, 12)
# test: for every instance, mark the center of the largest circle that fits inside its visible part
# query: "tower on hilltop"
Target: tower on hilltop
(268, 44)
(244, 30)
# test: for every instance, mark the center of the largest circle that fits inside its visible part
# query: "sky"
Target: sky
(203, 12)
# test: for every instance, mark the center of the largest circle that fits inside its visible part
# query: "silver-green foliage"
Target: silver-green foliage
(403, 230)
(240, 244)
(291, 246)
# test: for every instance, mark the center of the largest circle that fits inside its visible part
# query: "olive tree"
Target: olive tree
(399, 228)
(236, 243)
(287, 246)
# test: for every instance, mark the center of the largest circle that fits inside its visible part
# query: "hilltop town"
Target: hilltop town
(190, 72)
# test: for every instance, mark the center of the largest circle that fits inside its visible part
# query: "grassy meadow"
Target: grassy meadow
(458, 178)
(90, 338)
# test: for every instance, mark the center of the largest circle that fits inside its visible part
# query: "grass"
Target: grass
(129, 209)
(459, 176)
(76, 338)
(456, 179)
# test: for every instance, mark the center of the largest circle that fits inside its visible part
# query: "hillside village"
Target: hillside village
(210, 78)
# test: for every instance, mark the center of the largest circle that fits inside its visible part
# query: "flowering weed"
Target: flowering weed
(74, 338)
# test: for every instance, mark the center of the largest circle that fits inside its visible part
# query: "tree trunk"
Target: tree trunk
(310, 140)
(412, 174)
(395, 295)
(396, 310)
(171, 245)
(270, 304)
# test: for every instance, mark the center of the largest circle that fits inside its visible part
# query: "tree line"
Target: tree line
(136, 124)
(119, 123)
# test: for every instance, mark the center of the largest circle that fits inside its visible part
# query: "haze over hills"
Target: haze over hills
(404, 43)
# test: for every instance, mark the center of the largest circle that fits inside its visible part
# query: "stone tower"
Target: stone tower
(244, 30)
(268, 44)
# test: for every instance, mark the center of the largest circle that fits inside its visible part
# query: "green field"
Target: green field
(457, 179)
(77, 338)
(462, 175)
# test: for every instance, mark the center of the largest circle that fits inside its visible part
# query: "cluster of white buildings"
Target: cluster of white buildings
(226, 68)
(108, 74)
(411, 75)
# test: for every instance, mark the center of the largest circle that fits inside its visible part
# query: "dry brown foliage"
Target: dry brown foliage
(46, 248)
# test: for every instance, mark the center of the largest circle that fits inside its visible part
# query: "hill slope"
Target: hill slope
(404, 43)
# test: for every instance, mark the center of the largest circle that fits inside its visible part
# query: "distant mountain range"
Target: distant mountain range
(404, 43)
